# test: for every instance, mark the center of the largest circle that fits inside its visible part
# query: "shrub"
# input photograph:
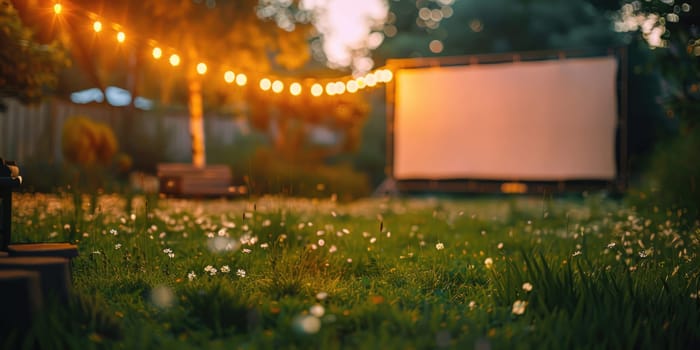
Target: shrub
(673, 177)
(270, 174)
(85, 142)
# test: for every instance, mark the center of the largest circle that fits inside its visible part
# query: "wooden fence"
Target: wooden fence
(31, 133)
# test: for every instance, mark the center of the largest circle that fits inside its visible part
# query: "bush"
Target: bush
(270, 174)
(85, 142)
(673, 177)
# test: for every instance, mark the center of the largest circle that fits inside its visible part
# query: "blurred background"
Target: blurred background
(112, 88)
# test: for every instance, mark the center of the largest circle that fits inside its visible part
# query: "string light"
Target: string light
(229, 76)
(352, 86)
(339, 88)
(265, 84)
(201, 68)
(371, 79)
(174, 60)
(241, 79)
(277, 86)
(330, 89)
(316, 89)
(295, 88)
(157, 52)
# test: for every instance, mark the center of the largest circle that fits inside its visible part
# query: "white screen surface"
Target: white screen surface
(538, 121)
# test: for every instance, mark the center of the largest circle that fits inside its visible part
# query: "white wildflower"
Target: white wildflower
(439, 246)
(225, 269)
(240, 273)
(519, 307)
(317, 310)
(527, 286)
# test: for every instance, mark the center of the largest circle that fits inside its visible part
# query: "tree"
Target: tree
(671, 31)
(28, 66)
(200, 32)
(478, 27)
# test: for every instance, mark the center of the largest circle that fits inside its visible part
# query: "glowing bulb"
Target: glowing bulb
(201, 68)
(295, 89)
(157, 53)
(361, 83)
(121, 37)
(265, 84)
(97, 26)
(229, 76)
(241, 79)
(330, 89)
(371, 79)
(388, 75)
(316, 89)
(352, 86)
(383, 75)
(339, 88)
(277, 86)
(174, 60)
(57, 8)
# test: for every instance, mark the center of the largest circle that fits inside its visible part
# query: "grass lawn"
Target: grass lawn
(274, 273)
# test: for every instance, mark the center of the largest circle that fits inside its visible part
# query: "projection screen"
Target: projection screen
(552, 120)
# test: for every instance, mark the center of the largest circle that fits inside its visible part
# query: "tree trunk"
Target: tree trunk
(194, 87)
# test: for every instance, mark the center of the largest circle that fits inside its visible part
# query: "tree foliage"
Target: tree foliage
(477, 27)
(28, 68)
(671, 31)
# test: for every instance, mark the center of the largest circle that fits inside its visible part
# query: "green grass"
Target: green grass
(389, 274)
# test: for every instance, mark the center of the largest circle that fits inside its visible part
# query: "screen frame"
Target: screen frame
(476, 185)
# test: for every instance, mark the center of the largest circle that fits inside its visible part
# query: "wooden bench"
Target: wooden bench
(187, 180)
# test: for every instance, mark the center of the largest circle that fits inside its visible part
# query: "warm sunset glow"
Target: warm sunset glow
(295, 89)
(229, 76)
(57, 9)
(121, 37)
(157, 53)
(201, 68)
(241, 79)
(174, 60)
(316, 89)
(97, 26)
(277, 86)
(265, 84)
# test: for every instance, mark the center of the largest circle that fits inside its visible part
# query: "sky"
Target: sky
(346, 26)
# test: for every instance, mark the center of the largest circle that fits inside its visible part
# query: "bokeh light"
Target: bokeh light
(229, 76)
(436, 46)
(352, 86)
(277, 86)
(201, 68)
(57, 8)
(157, 52)
(97, 26)
(241, 79)
(330, 89)
(316, 90)
(295, 89)
(174, 60)
(265, 84)
(121, 37)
